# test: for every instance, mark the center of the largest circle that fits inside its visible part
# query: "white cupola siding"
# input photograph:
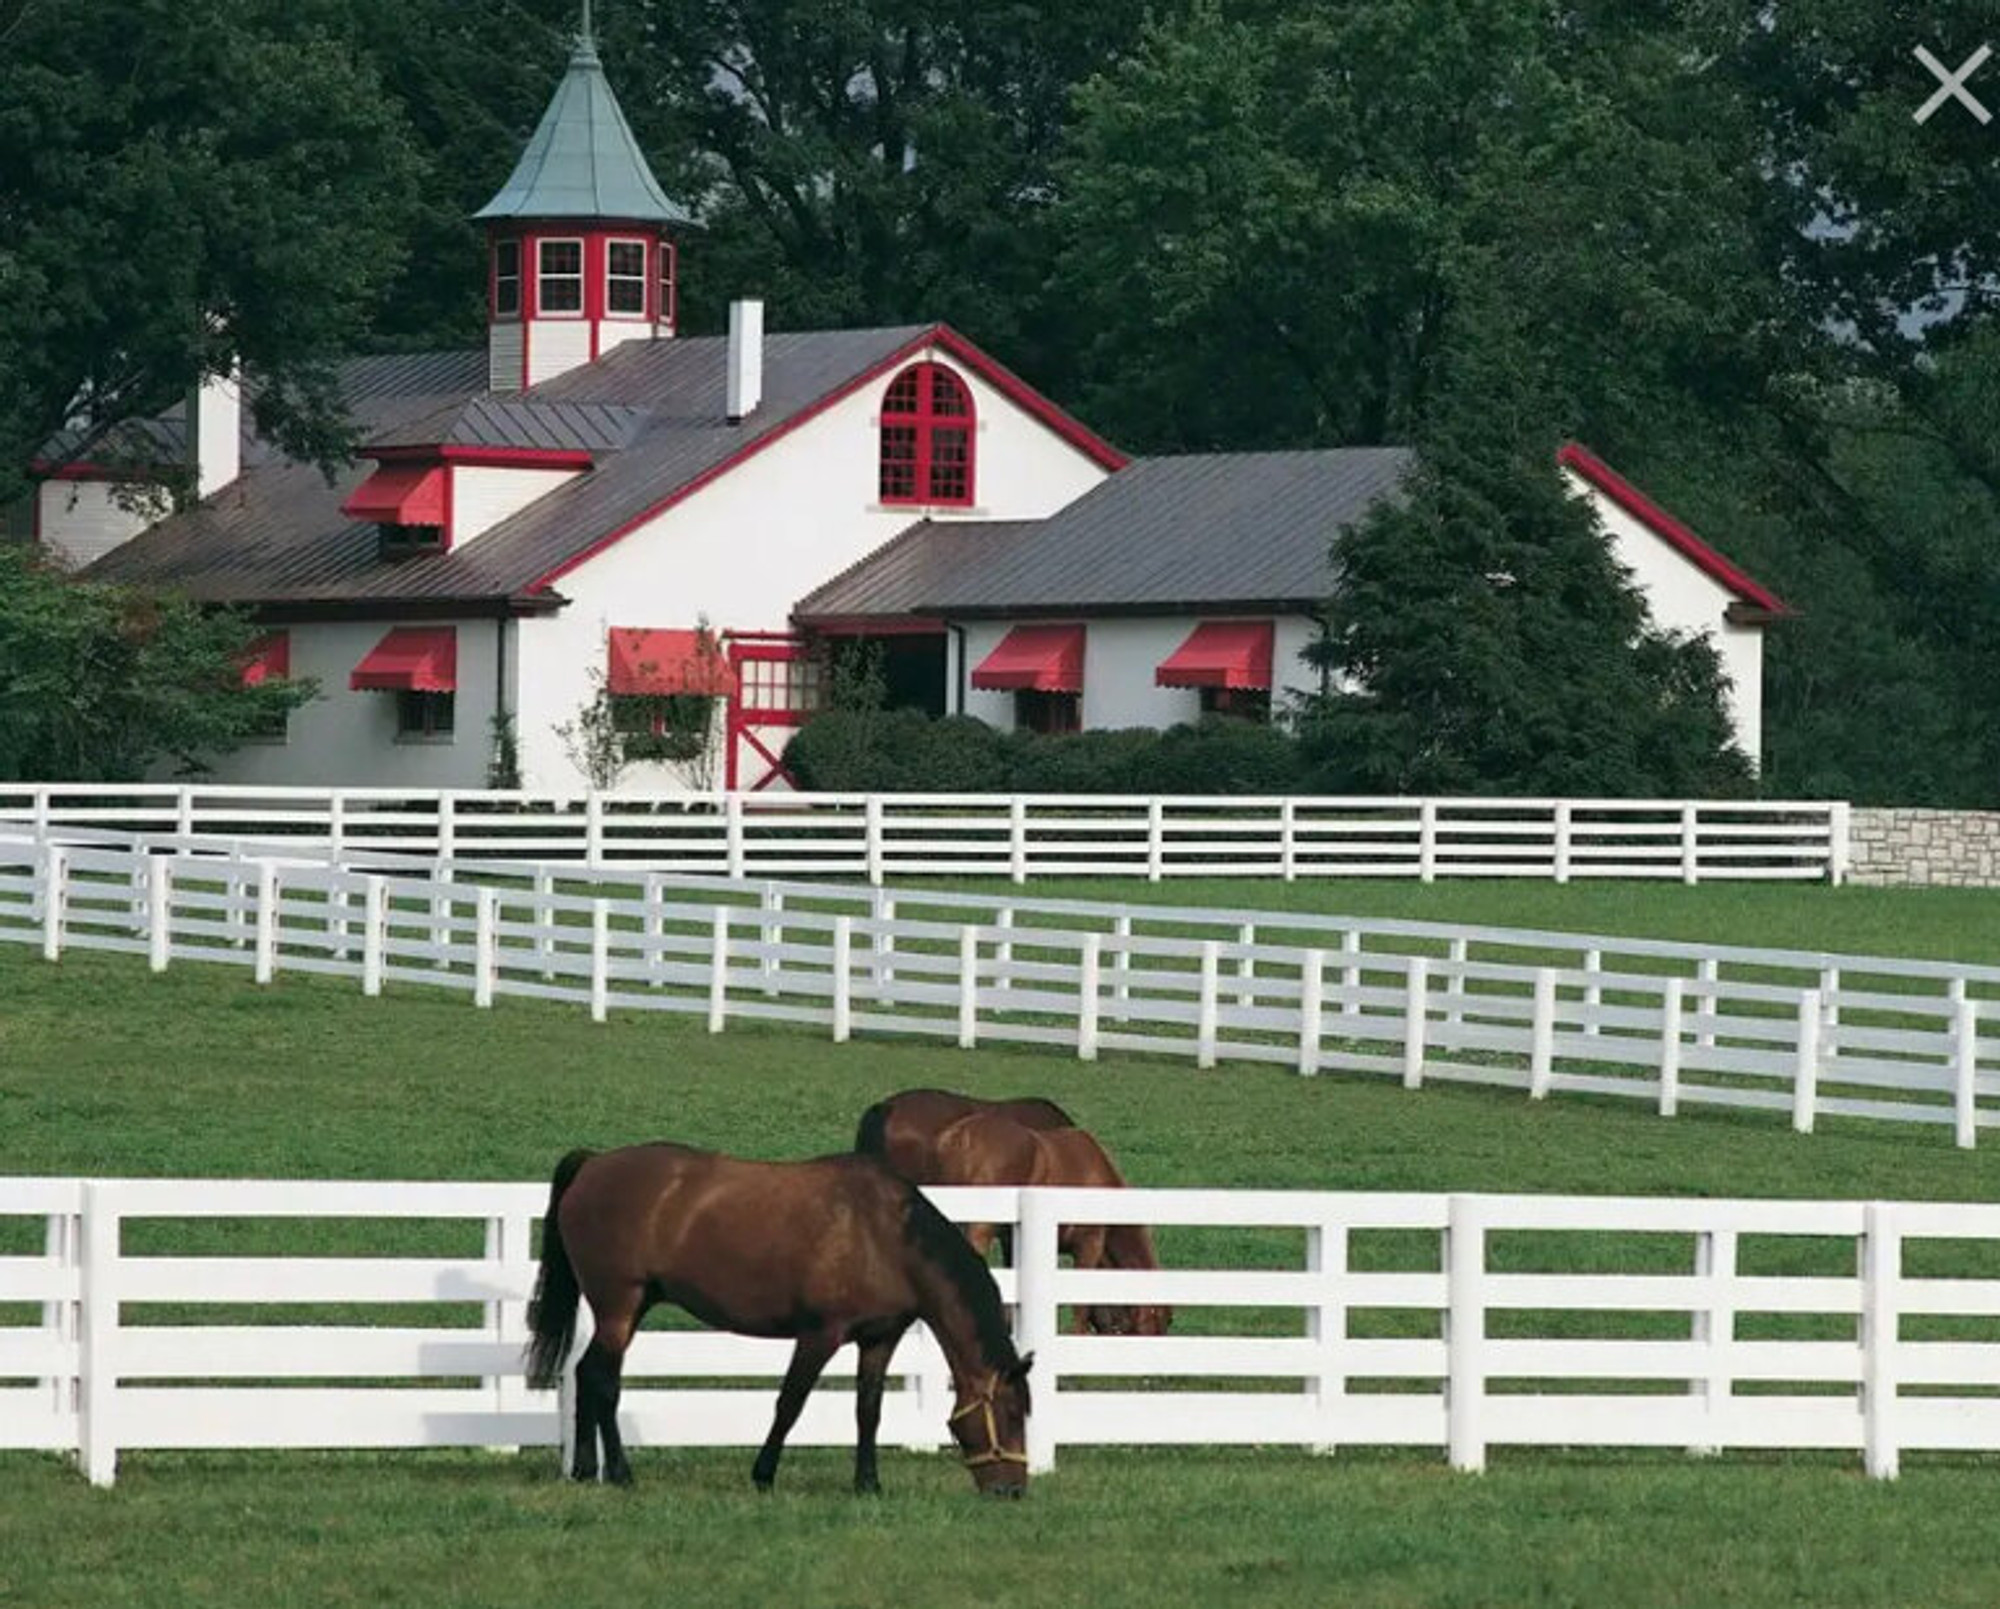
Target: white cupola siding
(581, 254)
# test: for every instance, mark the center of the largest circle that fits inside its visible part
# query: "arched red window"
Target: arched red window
(927, 437)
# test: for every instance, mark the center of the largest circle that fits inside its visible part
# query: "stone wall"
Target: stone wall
(1934, 848)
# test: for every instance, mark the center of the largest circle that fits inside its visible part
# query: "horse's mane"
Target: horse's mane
(941, 1244)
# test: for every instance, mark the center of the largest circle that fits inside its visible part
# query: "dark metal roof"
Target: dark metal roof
(276, 535)
(1200, 531)
(504, 422)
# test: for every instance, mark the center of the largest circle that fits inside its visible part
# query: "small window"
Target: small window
(408, 541)
(559, 276)
(424, 717)
(669, 307)
(625, 278)
(1238, 703)
(1050, 713)
(507, 279)
(926, 441)
(782, 691)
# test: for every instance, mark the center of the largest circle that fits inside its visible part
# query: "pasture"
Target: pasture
(105, 1070)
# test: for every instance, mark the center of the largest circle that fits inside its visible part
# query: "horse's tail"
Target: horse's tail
(552, 1312)
(871, 1137)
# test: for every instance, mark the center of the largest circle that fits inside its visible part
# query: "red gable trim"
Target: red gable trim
(1003, 380)
(486, 457)
(1670, 530)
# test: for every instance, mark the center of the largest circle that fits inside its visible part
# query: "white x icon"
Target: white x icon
(1954, 84)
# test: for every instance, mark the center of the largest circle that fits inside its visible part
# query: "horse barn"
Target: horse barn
(595, 501)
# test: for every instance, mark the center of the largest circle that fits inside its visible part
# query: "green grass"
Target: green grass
(104, 1070)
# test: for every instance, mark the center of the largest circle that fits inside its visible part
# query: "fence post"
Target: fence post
(1326, 1327)
(1593, 990)
(1805, 1083)
(1840, 846)
(1350, 973)
(1542, 1037)
(593, 827)
(266, 953)
(771, 930)
(160, 913)
(1829, 988)
(136, 881)
(1003, 951)
(733, 858)
(968, 986)
(1204, 1031)
(184, 812)
(1690, 846)
(374, 932)
(1017, 839)
(600, 958)
(843, 981)
(1156, 840)
(447, 826)
(1416, 1015)
(1089, 979)
(1564, 813)
(1035, 1275)
(882, 943)
(718, 969)
(55, 901)
(1708, 971)
(1670, 1045)
(653, 928)
(1964, 1067)
(62, 1320)
(97, 1367)
(1881, 1271)
(1454, 990)
(1121, 966)
(485, 944)
(545, 921)
(1427, 841)
(1713, 1325)
(1465, 1333)
(1246, 964)
(1288, 846)
(336, 825)
(1312, 1000)
(871, 838)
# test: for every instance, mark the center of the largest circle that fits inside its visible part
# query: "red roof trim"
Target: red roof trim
(487, 457)
(1009, 384)
(1656, 519)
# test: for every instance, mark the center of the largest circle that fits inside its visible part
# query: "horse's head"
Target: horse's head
(990, 1425)
(1154, 1319)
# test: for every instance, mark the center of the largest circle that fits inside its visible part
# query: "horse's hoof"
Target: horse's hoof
(621, 1476)
(867, 1488)
(763, 1483)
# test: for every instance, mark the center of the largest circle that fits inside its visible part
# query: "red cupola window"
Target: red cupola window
(506, 279)
(927, 426)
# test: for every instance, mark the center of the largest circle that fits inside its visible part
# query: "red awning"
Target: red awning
(415, 659)
(668, 662)
(269, 658)
(1042, 659)
(1221, 653)
(400, 494)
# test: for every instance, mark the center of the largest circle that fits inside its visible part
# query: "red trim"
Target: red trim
(402, 494)
(669, 309)
(1656, 519)
(1039, 659)
(413, 659)
(666, 663)
(486, 457)
(1017, 390)
(450, 507)
(1221, 653)
(917, 417)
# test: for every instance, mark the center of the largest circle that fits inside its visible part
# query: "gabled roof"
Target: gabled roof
(582, 160)
(276, 536)
(1203, 531)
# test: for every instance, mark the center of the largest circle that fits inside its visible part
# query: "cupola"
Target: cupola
(580, 239)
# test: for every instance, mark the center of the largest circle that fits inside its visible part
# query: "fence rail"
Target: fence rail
(881, 836)
(1920, 1047)
(1458, 1322)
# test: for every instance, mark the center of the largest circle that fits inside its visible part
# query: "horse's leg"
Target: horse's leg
(809, 1357)
(1085, 1245)
(870, 1374)
(598, 1376)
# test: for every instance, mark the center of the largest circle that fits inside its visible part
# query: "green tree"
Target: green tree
(99, 683)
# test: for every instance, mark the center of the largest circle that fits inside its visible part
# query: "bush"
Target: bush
(901, 751)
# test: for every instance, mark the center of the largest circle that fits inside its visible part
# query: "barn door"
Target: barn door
(780, 685)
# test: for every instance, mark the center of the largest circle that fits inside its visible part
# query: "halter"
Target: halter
(995, 1453)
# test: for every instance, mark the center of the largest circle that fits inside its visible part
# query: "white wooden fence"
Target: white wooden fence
(1662, 1037)
(881, 836)
(1460, 1322)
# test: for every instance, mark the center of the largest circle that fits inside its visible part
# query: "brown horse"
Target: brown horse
(935, 1136)
(822, 1252)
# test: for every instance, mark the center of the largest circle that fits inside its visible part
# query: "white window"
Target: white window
(625, 278)
(559, 276)
(507, 279)
(425, 717)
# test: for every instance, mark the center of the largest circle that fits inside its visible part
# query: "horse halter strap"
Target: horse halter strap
(995, 1453)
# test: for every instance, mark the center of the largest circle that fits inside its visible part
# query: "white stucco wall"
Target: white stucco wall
(482, 497)
(1683, 597)
(81, 520)
(1119, 659)
(744, 548)
(349, 738)
(555, 346)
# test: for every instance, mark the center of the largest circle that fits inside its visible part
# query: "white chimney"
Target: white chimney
(746, 359)
(215, 433)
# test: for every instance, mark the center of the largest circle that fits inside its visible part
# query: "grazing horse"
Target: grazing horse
(1025, 1141)
(824, 1252)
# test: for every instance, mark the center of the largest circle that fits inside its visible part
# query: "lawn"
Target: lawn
(104, 1070)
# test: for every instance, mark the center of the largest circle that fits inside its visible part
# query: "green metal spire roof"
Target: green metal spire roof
(583, 161)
